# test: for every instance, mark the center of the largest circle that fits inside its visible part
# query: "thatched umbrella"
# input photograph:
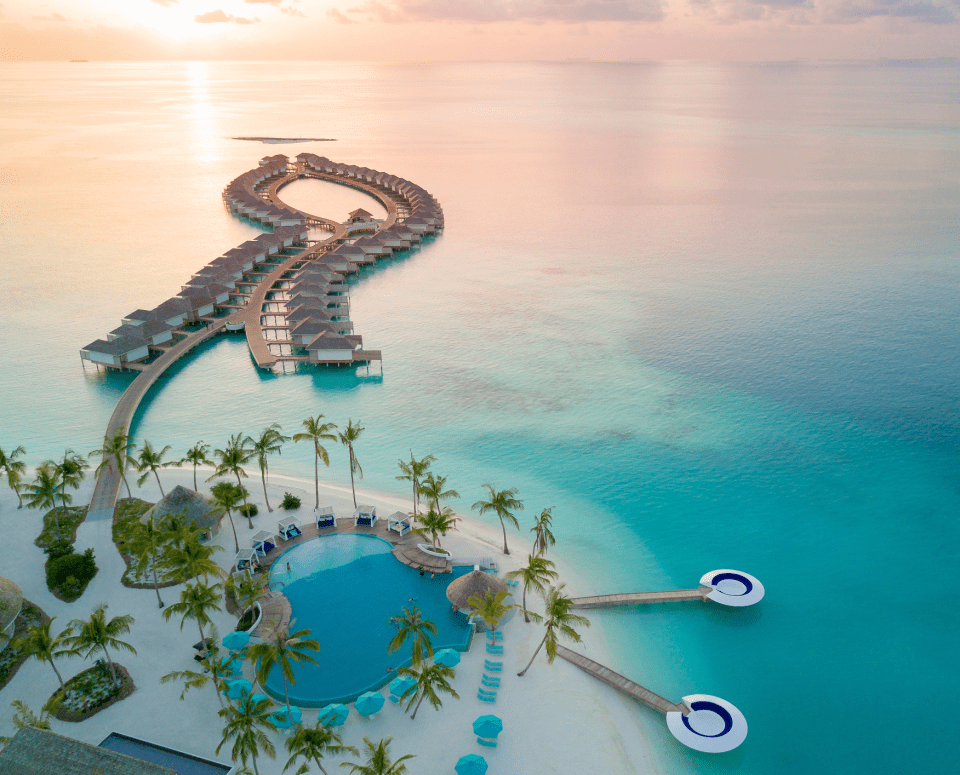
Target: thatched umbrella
(474, 583)
(11, 601)
(199, 511)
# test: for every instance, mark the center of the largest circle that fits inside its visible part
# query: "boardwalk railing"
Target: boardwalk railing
(633, 598)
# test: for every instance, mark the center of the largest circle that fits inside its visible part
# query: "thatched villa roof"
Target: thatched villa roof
(475, 583)
(198, 509)
(11, 600)
(41, 752)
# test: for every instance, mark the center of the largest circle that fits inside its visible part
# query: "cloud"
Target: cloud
(289, 10)
(166, 3)
(53, 17)
(924, 11)
(219, 17)
(337, 16)
(537, 11)
(263, 2)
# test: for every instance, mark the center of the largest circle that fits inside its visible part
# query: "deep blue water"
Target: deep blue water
(711, 314)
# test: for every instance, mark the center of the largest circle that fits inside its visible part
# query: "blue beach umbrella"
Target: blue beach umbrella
(280, 720)
(471, 764)
(231, 664)
(487, 726)
(236, 640)
(399, 685)
(255, 698)
(334, 715)
(447, 657)
(238, 687)
(369, 703)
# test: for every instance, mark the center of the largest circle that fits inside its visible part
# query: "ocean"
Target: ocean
(708, 313)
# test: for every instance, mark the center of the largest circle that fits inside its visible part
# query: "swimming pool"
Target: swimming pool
(344, 588)
(182, 763)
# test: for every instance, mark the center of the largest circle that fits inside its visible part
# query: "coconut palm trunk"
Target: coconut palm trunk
(316, 476)
(263, 480)
(236, 541)
(535, 652)
(246, 506)
(157, 475)
(353, 489)
(156, 583)
(419, 703)
(113, 669)
(59, 677)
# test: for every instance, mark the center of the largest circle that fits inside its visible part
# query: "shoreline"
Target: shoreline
(589, 726)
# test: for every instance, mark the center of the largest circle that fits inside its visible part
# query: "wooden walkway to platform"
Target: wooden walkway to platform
(634, 598)
(621, 684)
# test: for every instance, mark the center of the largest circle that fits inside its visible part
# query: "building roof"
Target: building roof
(41, 752)
(119, 346)
(330, 341)
(360, 213)
(197, 509)
(11, 600)
(149, 328)
(475, 583)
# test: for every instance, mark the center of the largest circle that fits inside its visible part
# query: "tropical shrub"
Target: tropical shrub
(249, 510)
(57, 549)
(289, 502)
(71, 573)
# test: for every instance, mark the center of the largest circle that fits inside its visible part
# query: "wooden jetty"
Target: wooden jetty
(634, 598)
(254, 195)
(622, 684)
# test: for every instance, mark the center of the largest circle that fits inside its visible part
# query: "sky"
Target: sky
(478, 30)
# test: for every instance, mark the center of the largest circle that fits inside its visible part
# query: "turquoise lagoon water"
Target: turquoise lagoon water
(344, 589)
(708, 313)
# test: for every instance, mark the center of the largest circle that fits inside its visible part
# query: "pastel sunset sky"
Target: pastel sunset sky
(504, 30)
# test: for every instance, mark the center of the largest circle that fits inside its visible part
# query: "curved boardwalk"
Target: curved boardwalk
(253, 195)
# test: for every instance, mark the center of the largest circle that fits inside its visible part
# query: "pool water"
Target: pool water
(182, 763)
(344, 588)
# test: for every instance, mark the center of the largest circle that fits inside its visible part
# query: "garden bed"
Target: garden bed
(69, 522)
(11, 658)
(91, 691)
(129, 511)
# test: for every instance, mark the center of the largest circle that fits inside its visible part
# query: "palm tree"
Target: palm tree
(147, 543)
(70, 471)
(269, 442)
(312, 743)
(42, 493)
(430, 680)
(544, 536)
(197, 456)
(437, 524)
(538, 572)
(150, 460)
(96, 633)
(14, 470)
(197, 601)
(500, 503)
(38, 642)
(245, 725)
(558, 619)
(316, 432)
(192, 560)
(412, 471)
(25, 717)
(491, 608)
(347, 437)
(282, 651)
(227, 497)
(249, 590)
(411, 624)
(378, 760)
(232, 459)
(215, 672)
(116, 452)
(431, 488)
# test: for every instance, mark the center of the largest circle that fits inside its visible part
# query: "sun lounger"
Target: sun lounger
(493, 683)
(493, 667)
(513, 582)
(496, 650)
(496, 637)
(487, 742)
(486, 697)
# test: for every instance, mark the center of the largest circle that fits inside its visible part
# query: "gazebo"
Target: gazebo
(11, 601)
(263, 542)
(246, 559)
(474, 583)
(400, 523)
(198, 510)
(325, 517)
(288, 528)
(365, 516)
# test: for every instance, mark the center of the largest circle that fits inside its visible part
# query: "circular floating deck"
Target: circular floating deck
(732, 587)
(713, 725)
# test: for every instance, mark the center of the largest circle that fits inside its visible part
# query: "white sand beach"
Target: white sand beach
(556, 719)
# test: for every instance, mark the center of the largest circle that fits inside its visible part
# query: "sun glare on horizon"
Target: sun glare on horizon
(178, 22)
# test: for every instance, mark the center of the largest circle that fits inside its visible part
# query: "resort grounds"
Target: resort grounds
(556, 719)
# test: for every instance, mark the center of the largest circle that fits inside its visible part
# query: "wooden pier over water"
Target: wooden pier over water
(634, 598)
(621, 684)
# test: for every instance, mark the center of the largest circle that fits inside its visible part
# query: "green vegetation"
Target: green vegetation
(378, 760)
(411, 624)
(413, 471)
(491, 608)
(197, 456)
(249, 510)
(431, 679)
(61, 525)
(311, 744)
(289, 502)
(558, 620)
(68, 573)
(14, 470)
(25, 717)
(436, 524)
(90, 691)
(282, 650)
(536, 575)
(269, 442)
(500, 502)
(233, 457)
(150, 461)
(317, 431)
(88, 636)
(247, 724)
(15, 654)
(347, 437)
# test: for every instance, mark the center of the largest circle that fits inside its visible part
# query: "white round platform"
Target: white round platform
(713, 725)
(733, 587)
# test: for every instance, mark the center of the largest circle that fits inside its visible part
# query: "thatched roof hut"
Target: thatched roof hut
(11, 601)
(199, 510)
(41, 752)
(474, 583)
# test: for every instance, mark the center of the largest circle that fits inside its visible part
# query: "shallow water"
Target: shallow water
(708, 313)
